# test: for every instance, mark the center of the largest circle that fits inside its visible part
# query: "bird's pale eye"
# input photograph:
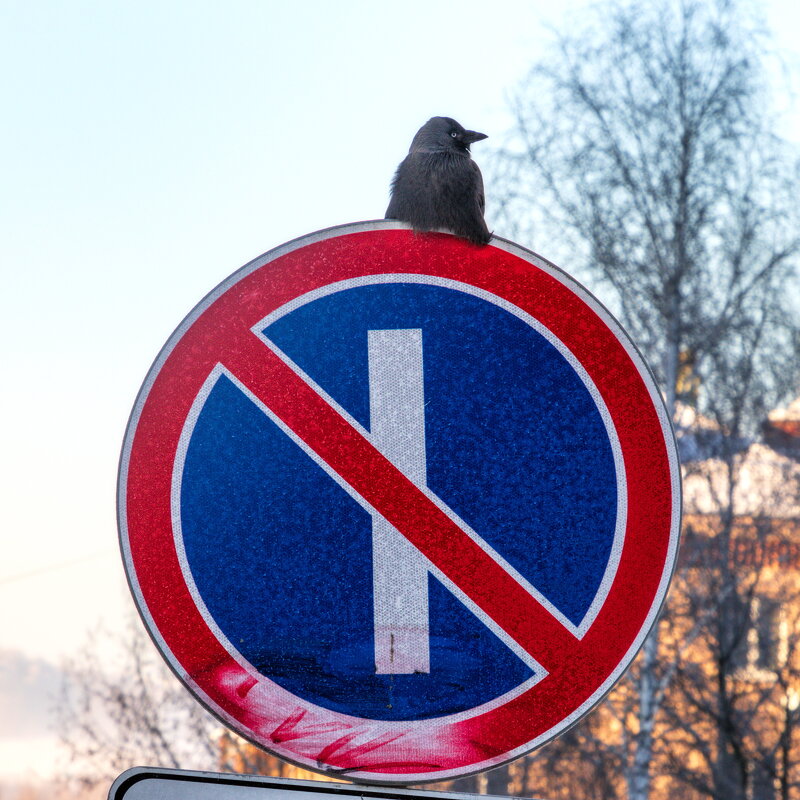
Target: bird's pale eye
(454, 134)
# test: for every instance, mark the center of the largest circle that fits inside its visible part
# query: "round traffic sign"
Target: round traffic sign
(396, 507)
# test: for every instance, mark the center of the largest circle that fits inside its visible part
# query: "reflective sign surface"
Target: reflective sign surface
(398, 507)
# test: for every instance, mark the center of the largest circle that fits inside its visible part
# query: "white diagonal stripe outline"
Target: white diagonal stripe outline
(433, 498)
(615, 553)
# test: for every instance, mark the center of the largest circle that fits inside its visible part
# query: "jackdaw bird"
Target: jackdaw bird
(438, 185)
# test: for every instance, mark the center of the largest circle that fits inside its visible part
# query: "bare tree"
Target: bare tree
(729, 716)
(643, 146)
(120, 706)
(733, 705)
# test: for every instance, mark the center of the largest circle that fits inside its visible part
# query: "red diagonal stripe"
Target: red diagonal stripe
(395, 497)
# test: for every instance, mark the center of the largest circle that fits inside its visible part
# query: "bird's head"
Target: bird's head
(443, 134)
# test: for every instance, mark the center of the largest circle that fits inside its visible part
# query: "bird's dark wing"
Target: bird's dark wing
(413, 197)
(402, 191)
(479, 187)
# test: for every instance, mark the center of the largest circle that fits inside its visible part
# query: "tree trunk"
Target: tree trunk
(639, 778)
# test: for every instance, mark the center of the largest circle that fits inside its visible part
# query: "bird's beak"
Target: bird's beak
(473, 136)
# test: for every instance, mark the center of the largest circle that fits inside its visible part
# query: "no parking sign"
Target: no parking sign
(396, 507)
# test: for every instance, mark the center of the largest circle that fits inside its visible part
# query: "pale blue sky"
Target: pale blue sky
(149, 149)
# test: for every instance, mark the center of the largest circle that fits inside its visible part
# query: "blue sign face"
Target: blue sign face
(513, 443)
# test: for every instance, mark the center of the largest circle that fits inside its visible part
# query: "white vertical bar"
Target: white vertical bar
(400, 574)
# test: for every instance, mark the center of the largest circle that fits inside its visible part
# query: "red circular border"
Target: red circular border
(432, 749)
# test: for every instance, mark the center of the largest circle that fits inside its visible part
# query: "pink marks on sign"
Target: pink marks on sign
(306, 734)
